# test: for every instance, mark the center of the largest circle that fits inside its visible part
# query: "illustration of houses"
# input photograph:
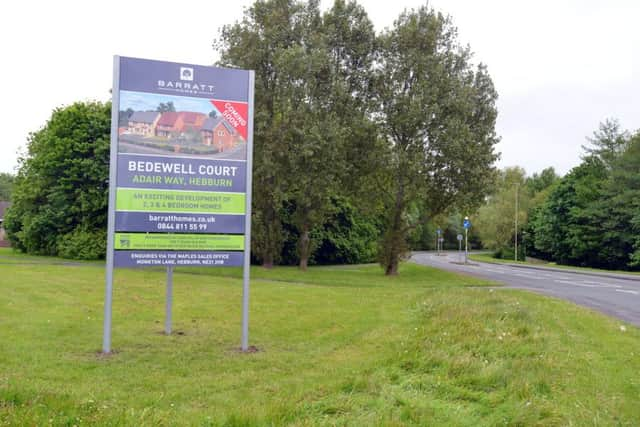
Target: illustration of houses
(173, 123)
(217, 132)
(143, 123)
(192, 121)
(168, 124)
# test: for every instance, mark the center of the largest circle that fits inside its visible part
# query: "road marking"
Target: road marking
(575, 284)
(626, 291)
(604, 285)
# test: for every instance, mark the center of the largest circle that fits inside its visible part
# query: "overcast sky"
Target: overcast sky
(560, 67)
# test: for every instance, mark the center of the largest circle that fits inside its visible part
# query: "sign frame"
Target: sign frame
(113, 187)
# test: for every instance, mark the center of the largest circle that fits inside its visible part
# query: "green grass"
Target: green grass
(490, 259)
(337, 346)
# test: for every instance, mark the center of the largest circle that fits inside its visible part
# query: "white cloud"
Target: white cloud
(560, 67)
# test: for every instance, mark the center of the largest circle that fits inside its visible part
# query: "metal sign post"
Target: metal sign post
(466, 224)
(111, 214)
(247, 233)
(169, 301)
(459, 237)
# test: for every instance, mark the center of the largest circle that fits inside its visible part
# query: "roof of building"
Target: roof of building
(192, 118)
(168, 119)
(212, 122)
(147, 117)
(3, 208)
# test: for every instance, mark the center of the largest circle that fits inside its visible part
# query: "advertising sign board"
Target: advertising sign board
(180, 175)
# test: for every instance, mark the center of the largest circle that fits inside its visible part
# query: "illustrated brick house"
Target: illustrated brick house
(172, 123)
(3, 238)
(143, 123)
(168, 124)
(218, 133)
(192, 121)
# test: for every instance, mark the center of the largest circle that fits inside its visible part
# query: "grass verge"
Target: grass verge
(337, 346)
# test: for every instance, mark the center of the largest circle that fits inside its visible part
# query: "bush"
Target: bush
(81, 244)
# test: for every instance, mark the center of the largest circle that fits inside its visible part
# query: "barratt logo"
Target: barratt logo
(186, 84)
(186, 73)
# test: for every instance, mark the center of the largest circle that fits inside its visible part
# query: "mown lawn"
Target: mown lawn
(337, 346)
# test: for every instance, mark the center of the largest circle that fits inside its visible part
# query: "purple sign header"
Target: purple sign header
(171, 78)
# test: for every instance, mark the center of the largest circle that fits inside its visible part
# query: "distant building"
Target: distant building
(3, 238)
(143, 123)
(217, 132)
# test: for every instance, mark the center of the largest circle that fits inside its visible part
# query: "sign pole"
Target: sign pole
(111, 215)
(247, 231)
(169, 302)
(466, 250)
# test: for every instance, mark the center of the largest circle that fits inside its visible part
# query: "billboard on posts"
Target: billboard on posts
(181, 169)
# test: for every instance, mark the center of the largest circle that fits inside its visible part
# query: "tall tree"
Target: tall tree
(567, 228)
(60, 197)
(608, 142)
(263, 41)
(311, 83)
(337, 129)
(438, 115)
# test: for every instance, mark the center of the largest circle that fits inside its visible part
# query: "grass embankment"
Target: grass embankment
(488, 258)
(337, 346)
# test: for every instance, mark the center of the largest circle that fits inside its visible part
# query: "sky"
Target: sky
(140, 101)
(560, 66)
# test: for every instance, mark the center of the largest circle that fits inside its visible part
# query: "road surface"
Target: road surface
(612, 294)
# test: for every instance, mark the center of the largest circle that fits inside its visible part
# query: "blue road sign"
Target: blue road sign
(438, 231)
(466, 224)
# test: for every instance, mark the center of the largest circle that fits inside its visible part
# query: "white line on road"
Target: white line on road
(604, 285)
(626, 291)
(576, 284)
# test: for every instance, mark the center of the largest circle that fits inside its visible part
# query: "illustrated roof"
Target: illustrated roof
(168, 119)
(212, 122)
(3, 208)
(191, 117)
(144, 117)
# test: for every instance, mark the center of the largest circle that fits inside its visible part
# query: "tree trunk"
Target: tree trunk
(395, 238)
(304, 248)
(392, 267)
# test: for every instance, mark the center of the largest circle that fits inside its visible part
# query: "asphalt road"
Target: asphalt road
(608, 293)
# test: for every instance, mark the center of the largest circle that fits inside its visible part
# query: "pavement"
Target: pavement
(614, 294)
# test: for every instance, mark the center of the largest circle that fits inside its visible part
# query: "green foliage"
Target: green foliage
(312, 77)
(591, 217)
(346, 237)
(80, 244)
(6, 186)
(438, 115)
(62, 185)
(608, 142)
(496, 219)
